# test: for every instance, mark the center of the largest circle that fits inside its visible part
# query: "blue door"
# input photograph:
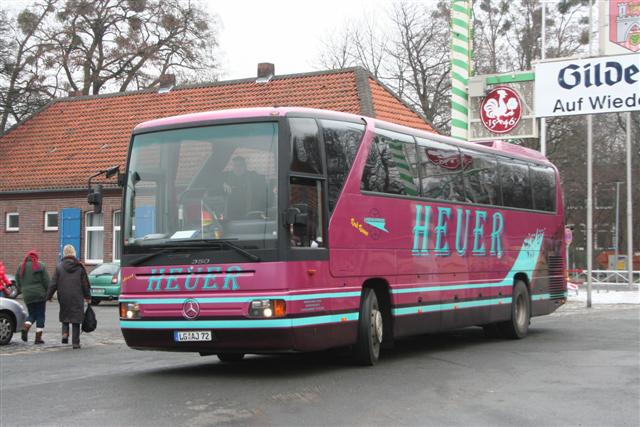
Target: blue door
(70, 229)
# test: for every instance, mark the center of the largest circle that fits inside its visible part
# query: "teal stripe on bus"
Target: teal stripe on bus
(239, 324)
(222, 300)
(452, 287)
(449, 306)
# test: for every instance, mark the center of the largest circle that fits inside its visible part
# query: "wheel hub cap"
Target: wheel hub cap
(377, 325)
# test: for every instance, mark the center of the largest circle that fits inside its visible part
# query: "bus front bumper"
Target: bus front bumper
(254, 340)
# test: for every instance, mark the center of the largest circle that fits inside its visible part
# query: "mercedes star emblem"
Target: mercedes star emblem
(190, 309)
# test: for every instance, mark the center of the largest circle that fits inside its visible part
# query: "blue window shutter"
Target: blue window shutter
(70, 229)
(145, 220)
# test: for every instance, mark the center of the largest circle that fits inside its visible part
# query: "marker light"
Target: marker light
(129, 310)
(266, 308)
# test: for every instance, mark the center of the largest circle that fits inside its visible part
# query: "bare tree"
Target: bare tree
(422, 62)
(411, 56)
(122, 44)
(22, 82)
(491, 25)
(357, 43)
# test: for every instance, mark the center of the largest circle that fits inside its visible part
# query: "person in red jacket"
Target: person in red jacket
(4, 280)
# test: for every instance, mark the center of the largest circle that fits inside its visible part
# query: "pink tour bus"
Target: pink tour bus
(288, 229)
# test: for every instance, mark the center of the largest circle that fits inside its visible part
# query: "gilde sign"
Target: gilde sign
(501, 110)
(588, 86)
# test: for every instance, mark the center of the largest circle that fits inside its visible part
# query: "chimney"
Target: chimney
(266, 71)
(74, 93)
(167, 82)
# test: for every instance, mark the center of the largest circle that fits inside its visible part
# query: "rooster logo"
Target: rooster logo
(501, 110)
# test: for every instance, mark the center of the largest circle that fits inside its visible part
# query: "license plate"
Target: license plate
(97, 291)
(183, 336)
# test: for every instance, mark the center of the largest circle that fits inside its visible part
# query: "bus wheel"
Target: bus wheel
(370, 328)
(518, 326)
(230, 357)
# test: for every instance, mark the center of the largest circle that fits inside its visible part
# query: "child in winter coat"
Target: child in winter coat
(4, 280)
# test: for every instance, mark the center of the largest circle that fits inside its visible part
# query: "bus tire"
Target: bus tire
(370, 330)
(230, 357)
(518, 326)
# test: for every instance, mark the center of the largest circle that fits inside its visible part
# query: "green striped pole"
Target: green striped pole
(460, 66)
(404, 168)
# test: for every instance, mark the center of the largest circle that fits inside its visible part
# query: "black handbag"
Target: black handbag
(89, 323)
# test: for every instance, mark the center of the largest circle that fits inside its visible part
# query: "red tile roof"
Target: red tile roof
(72, 138)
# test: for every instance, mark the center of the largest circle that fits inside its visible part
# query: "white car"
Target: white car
(12, 317)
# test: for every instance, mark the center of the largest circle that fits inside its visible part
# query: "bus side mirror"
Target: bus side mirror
(95, 198)
(294, 216)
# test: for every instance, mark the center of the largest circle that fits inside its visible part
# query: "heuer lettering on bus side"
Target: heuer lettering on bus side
(193, 279)
(474, 230)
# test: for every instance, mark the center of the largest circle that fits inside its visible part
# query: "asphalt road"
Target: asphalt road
(577, 367)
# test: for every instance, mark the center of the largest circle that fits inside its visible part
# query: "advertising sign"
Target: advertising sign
(501, 110)
(588, 86)
(620, 26)
(501, 107)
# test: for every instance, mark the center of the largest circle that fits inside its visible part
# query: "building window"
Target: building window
(51, 221)
(94, 236)
(116, 236)
(13, 221)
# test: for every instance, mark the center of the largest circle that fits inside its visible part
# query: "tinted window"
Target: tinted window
(516, 188)
(391, 165)
(440, 170)
(480, 178)
(341, 142)
(305, 148)
(543, 181)
(305, 197)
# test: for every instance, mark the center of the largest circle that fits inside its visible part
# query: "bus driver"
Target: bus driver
(244, 190)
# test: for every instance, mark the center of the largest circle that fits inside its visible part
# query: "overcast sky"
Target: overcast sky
(286, 33)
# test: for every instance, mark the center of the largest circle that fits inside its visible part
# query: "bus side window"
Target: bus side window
(440, 171)
(480, 173)
(305, 148)
(305, 197)
(543, 180)
(341, 141)
(392, 165)
(516, 185)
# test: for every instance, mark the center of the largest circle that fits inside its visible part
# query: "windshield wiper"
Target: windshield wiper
(194, 244)
(229, 244)
(143, 258)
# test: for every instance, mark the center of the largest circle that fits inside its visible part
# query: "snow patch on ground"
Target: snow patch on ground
(606, 297)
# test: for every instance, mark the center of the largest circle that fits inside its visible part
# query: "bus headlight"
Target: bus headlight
(266, 308)
(129, 310)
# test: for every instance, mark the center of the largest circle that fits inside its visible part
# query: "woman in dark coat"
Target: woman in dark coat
(32, 280)
(71, 282)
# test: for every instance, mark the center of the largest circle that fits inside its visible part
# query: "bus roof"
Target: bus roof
(496, 146)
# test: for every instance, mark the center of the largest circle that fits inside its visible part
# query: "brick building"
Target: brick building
(47, 159)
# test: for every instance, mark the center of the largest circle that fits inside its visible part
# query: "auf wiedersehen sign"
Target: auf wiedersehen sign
(588, 86)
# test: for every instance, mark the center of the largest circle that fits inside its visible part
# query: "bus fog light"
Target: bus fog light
(129, 310)
(267, 308)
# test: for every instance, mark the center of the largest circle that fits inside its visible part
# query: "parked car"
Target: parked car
(12, 289)
(105, 282)
(12, 317)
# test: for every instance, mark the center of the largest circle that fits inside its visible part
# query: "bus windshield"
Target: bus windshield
(203, 184)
